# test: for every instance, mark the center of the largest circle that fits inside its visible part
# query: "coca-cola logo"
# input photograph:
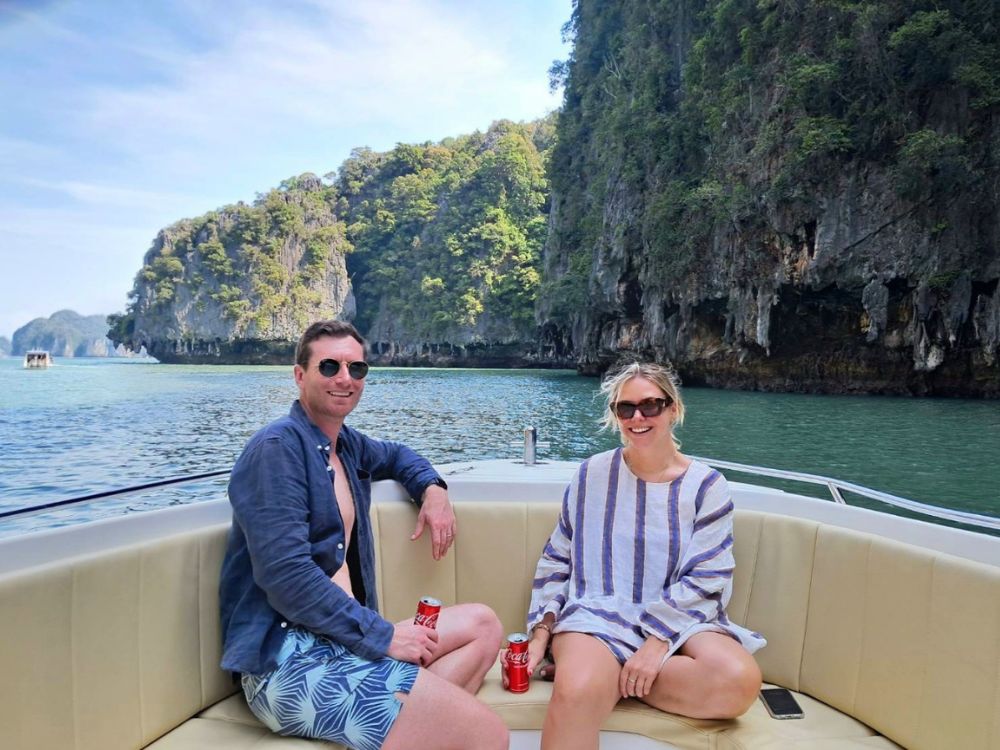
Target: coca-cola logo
(517, 659)
(428, 621)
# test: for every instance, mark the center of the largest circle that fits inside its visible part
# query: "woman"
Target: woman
(630, 592)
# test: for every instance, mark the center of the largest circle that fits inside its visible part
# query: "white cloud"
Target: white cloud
(360, 62)
(192, 105)
(113, 197)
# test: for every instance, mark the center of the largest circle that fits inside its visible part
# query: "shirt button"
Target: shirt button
(340, 545)
(329, 468)
(284, 624)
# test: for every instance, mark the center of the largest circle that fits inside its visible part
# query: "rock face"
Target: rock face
(447, 241)
(240, 284)
(433, 250)
(779, 198)
(4, 346)
(65, 334)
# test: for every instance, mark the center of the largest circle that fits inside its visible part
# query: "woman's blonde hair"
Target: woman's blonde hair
(661, 376)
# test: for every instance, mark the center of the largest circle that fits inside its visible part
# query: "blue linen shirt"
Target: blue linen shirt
(287, 539)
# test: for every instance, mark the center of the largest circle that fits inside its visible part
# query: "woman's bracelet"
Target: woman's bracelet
(543, 626)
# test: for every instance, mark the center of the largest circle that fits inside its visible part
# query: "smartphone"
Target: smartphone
(781, 704)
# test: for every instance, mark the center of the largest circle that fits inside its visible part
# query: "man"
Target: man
(299, 616)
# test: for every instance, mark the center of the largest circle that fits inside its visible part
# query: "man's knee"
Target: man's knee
(497, 733)
(486, 626)
(484, 726)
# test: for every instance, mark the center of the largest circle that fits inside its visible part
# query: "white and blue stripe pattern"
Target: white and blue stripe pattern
(630, 559)
(323, 691)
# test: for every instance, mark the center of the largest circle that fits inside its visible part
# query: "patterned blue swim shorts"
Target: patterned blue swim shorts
(323, 691)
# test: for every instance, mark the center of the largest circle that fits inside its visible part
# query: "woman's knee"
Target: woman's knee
(584, 695)
(738, 682)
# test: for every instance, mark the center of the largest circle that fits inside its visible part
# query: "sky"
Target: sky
(120, 118)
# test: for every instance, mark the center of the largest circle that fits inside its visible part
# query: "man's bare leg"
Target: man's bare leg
(711, 677)
(469, 638)
(439, 715)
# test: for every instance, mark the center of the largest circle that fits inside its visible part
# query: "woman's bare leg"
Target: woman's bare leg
(711, 677)
(584, 693)
(439, 715)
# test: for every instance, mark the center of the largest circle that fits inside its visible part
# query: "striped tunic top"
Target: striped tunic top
(630, 559)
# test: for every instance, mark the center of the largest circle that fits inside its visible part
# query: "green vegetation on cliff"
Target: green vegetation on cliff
(447, 237)
(694, 116)
(442, 243)
(242, 271)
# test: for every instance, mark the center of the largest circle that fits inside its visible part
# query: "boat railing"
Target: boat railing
(835, 487)
(119, 492)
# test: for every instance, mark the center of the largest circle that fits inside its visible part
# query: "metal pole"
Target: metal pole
(530, 440)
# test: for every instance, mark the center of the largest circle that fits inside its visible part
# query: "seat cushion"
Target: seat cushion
(755, 729)
(229, 725)
(820, 727)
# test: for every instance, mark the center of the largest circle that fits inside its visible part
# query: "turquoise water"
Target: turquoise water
(88, 425)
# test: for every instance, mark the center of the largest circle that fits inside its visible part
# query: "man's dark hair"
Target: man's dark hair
(336, 329)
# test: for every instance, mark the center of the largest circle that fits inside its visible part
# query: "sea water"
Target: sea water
(88, 425)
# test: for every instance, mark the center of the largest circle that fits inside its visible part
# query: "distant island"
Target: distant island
(65, 334)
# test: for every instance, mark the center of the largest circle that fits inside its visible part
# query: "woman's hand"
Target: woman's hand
(642, 669)
(536, 649)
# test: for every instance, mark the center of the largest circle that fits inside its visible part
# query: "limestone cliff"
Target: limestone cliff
(780, 196)
(433, 248)
(447, 243)
(239, 285)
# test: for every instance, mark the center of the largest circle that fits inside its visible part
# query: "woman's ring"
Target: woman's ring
(632, 680)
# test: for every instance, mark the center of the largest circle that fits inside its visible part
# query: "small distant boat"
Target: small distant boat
(37, 359)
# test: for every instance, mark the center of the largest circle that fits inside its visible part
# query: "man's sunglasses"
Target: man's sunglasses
(330, 367)
(648, 407)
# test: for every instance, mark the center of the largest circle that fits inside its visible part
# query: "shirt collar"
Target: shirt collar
(298, 414)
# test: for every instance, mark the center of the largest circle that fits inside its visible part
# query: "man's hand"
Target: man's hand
(436, 512)
(642, 668)
(413, 643)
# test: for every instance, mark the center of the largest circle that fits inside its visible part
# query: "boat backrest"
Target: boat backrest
(905, 639)
(111, 650)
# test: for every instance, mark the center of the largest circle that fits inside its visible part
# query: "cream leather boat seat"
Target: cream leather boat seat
(886, 644)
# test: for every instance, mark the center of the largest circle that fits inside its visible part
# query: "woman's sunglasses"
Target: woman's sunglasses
(330, 367)
(648, 407)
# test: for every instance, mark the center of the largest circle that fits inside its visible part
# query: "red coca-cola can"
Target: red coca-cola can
(515, 663)
(427, 612)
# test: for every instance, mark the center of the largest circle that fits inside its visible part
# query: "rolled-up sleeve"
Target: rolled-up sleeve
(550, 586)
(385, 459)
